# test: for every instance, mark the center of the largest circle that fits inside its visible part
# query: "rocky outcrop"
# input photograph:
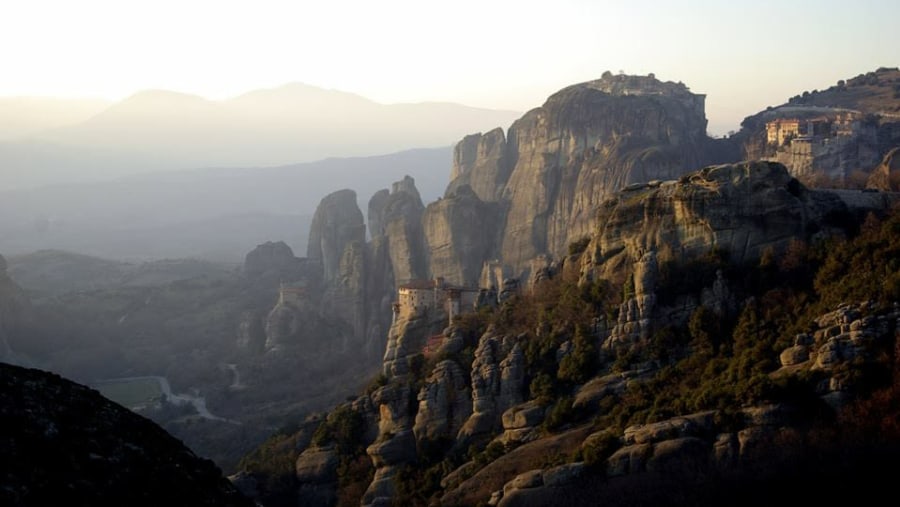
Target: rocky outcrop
(301, 326)
(337, 223)
(841, 342)
(65, 442)
(742, 209)
(498, 378)
(681, 448)
(558, 162)
(283, 324)
(316, 472)
(345, 296)
(586, 142)
(520, 422)
(634, 322)
(275, 257)
(481, 162)
(540, 487)
(406, 338)
(460, 230)
(396, 442)
(612, 384)
(886, 177)
(401, 224)
(375, 214)
(396, 254)
(444, 403)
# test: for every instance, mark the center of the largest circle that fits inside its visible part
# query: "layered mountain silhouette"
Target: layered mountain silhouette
(164, 130)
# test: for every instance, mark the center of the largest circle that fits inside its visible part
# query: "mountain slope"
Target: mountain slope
(716, 333)
(65, 444)
(24, 116)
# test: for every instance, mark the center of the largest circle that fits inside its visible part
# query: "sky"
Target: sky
(499, 54)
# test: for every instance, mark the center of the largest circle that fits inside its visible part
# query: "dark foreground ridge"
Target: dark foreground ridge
(64, 443)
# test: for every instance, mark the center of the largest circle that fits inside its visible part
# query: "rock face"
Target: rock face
(396, 443)
(841, 340)
(742, 209)
(301, 326)
(337, 223)
(444, 403)
(635, 312)
(559, 161)
(398, 218)
(586, 142)
(396, 254)
(337, 251)
(316, 470)
(480, 161)
(886, 177)
(64, 441)
(270, 257)
(498, 378)
(460, 229)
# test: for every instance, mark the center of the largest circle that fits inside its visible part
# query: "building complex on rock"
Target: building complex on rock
(421, 296)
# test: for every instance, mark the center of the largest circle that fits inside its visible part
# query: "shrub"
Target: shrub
(581, 362)
(560, 414)
(596, 450)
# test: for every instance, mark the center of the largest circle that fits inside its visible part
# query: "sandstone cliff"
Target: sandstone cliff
(558, 162)
(460, 229)
(741, 209)
(337, 223)
(397, 217)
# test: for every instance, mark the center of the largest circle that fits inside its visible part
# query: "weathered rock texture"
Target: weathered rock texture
(841, 341)
(559, 161)
(337, 223)
(479, 161)
(742, 209)
(316, 471)
(460, 229)
(397, 217)
(498, 377)
(445, 403)
(886, 177)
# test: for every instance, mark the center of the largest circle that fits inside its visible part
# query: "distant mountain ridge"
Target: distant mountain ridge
(209, 213)
(164, 130)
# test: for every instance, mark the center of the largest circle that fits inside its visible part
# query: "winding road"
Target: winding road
(198, 402)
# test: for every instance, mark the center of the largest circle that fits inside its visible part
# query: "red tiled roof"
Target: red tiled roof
(418, 284)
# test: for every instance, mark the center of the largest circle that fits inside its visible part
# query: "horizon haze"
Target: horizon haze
(742, 58)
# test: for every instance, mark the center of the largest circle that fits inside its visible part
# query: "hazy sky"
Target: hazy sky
(499, 54)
